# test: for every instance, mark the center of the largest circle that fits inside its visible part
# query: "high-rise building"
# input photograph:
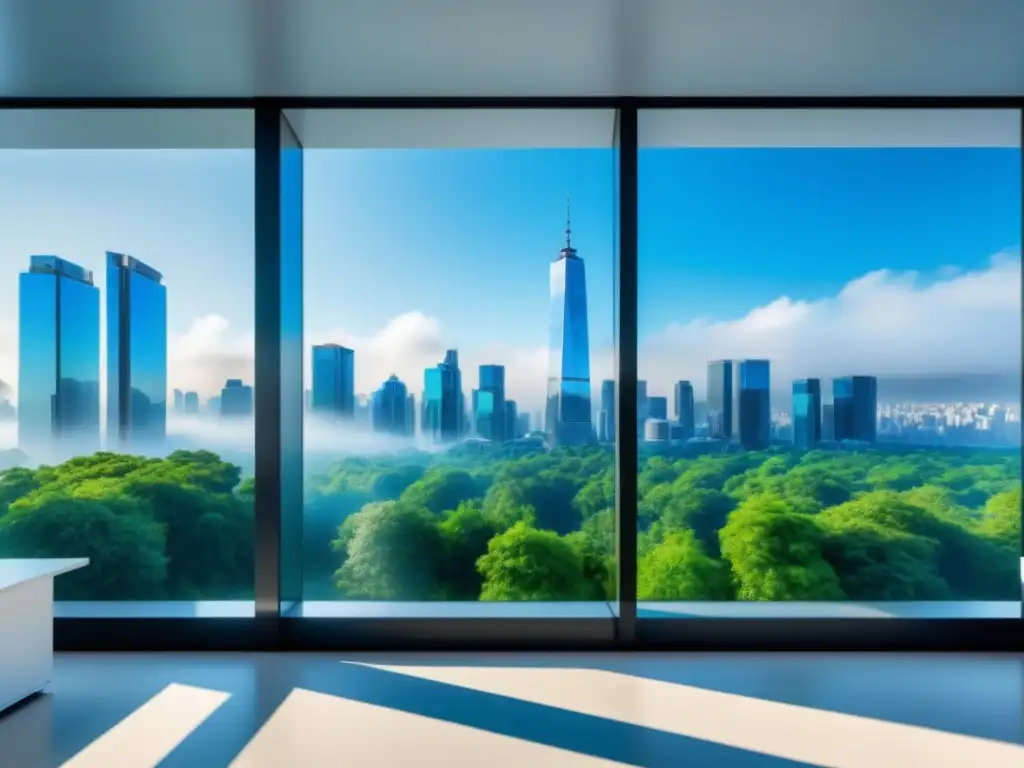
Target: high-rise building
(752, 404)
(192, 402)
(410, 415)
(334, 381)
(856, 408)
(236, 399)
(657, 408)
(58, 357)
(443, 404)
(179, 401)
(806, 414)
(657, 431)
(136, 351)
(642, 407)
(489, 408)
(684, 409)
(720, 399)
(568, 420)
(389, 406)
(828, 422)
(511, 416)
(523, 425)
(606, 420)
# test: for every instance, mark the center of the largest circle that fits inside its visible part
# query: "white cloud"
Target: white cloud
(207, 354)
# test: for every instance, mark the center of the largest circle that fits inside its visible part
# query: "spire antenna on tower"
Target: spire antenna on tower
(568, 220)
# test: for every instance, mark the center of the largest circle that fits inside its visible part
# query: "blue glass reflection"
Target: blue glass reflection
(334, 382)
(806, 414)
(855, 413)
(720, 399)
(754, 404)
(568, 408)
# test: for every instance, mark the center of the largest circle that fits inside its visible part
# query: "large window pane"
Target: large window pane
(458, 312)
(830, 313)
(126, 356)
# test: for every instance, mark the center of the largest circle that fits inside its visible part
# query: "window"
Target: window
(833, 300)
(458, 322)
(126, 351)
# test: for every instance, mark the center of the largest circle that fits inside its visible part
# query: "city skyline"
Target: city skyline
(801, 320)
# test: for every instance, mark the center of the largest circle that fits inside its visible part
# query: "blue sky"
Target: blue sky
(466, 236)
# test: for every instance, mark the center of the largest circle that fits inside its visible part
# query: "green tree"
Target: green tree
(466, 532)
(524, 563)
(677, 569)
(441, 489)
(1000, 519)
(393, 554)
(776, 554)
(701, 510)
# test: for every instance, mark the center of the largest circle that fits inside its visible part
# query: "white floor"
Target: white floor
(855, 711)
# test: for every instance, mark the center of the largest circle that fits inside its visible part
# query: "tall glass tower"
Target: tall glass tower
(720, 399)
(806, 414)
(58, 358)
(136, 351)
(443, 405)
(568, 418)
(489, 406)
(684, 408)
(334, 381)
(856, 408)
(390, 406)
(752, 412)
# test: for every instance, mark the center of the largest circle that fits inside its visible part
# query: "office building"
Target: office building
(828, 422)
(684, 409)
(657, 408)
(334, 381)
(443, 403)
(511, 417)
(856, 408)
(191, 403)
(489, 408)
(606, 416)
(389, 406)
(657, 431)
(236, 399)
(136, 352)
(641, 407)
(720, 400)
(752, 405)
(806, 414)
(410, 415)
(58, 357)
(523, 425)
(179, 401)
(568, 420)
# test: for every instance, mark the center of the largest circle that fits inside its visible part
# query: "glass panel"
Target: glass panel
(115, 348)
(459, 323)
(834, 298)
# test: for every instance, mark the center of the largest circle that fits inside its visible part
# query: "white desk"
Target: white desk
(26, 624)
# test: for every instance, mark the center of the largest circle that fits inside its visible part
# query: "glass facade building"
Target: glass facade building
(855, 401)
(443, 407)
(236, 399)
(389, 407)
(684, 409)
(136, 352)
(752, 404)
(657, 408)
(606, 421)
(720, 399)
(511, 420)
(58, 359)
(568, 399)
(489, 405)
(806, 414)
(334, 381)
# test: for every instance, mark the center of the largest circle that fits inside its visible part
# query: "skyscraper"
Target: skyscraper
(684, 409)
(179, 401)
(236, 399)
(511, 419)
(334, 381)
(657, 408)
(192, 402)
(752, 404)
(642, 407)
(720, 399)
(136, 351)
(806, 414)
(489, 408)
(389, 406)
(856, 408)
(828, 422)
(606, 422)
(58, 357)
(443, 406)
(568, 419)
(410, 415)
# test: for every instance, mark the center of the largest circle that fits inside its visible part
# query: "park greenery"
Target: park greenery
(469, 524)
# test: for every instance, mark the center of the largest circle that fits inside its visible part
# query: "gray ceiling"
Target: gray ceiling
(191, 48)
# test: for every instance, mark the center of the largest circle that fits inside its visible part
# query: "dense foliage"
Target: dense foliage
(467, 525)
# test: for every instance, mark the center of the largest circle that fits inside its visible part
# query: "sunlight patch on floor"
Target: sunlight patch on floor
(803, 734)
(316, 729)
(150, 733)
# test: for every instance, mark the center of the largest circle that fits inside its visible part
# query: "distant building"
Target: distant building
(657, 431)
(684, 408)
(389, 406)
(191, 402)
(213, 405)
(179, 401)
(489, 410)
(657, 408)
(828, 422)
(58, 356)
(511, 415)
(720, 400)
(606, 417)
(752, 405)
(236, 399)
(136, 351)
(807, 432)
(856, 408)
(641, 407)
(334, 381)
(410, 415)
(443, 400)
(523, 423)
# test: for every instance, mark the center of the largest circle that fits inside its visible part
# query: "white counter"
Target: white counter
(26, 624)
